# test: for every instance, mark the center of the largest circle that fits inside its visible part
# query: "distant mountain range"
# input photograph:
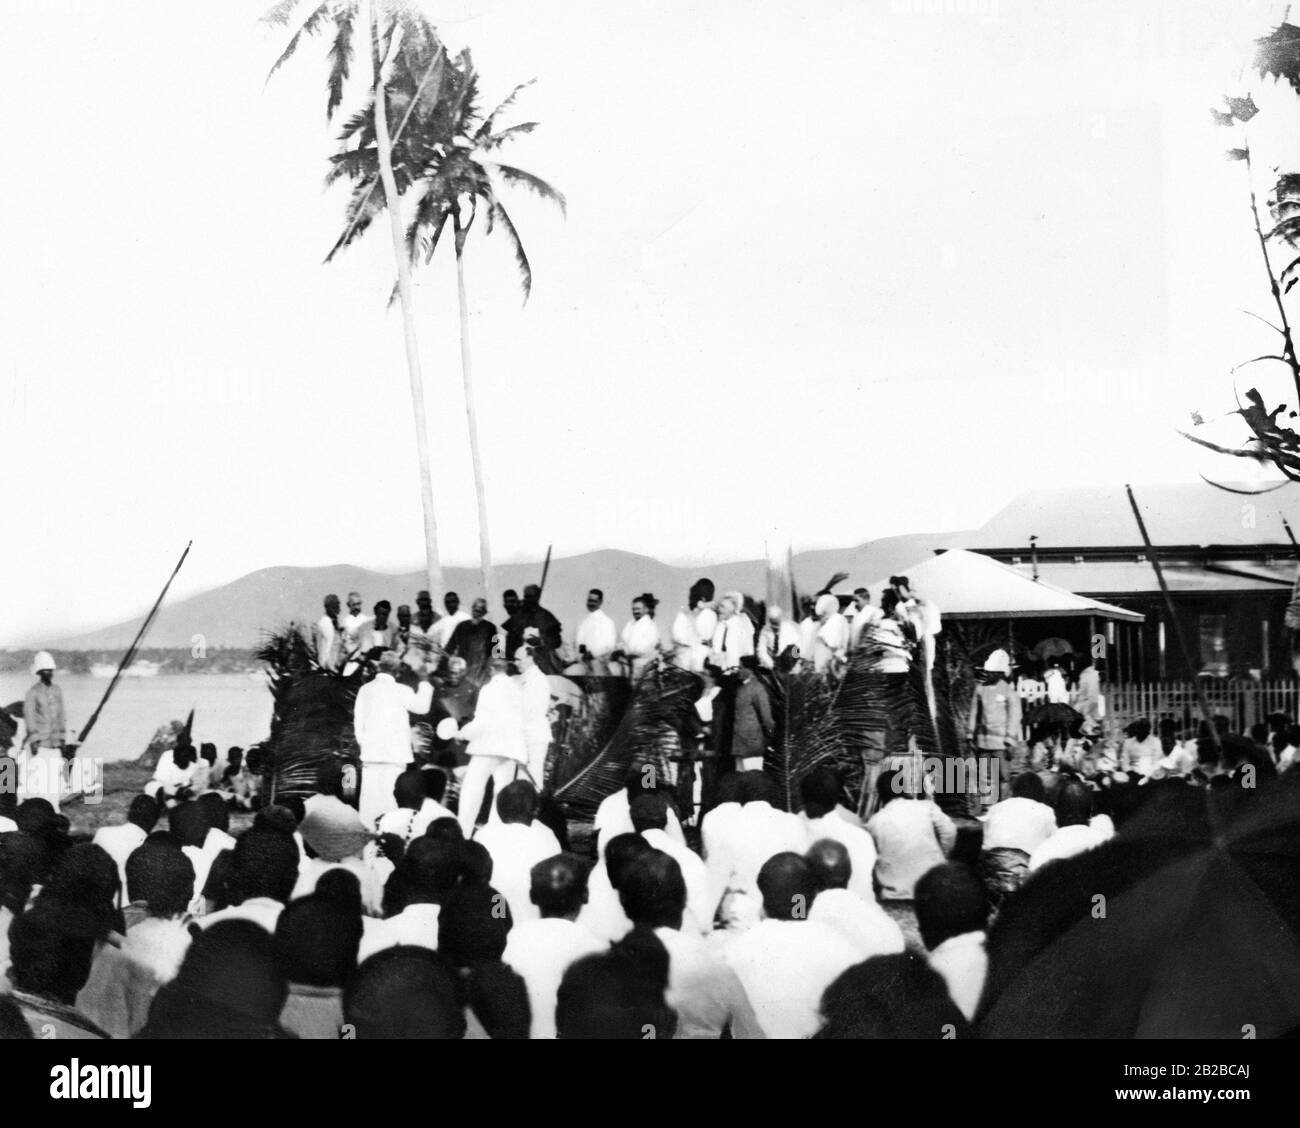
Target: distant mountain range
(239, 613)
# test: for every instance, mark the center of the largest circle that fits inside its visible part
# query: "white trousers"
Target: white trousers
(473, 786)
(377, 782)
(537, 747)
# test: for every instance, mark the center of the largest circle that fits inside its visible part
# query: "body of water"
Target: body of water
(228, 709)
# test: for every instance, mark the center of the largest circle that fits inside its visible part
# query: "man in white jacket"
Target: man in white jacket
(495, 738)
(597, 636)
(381, 719)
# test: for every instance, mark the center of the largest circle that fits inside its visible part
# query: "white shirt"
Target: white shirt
(860, 845)
(382, 720)
(641, 642)
(416, 925)
(704, 990)
(441, 631)
(603, 914)
(912, 837)
(692, 635)
(1018, 824)
(260, 910)
(1066, 843)
(1057, 693)
(761, 832)
(963, 961)
(515, 849)
(785, 967)
(498, 725)
(535, 694)
(202, 858)
(118, 842)
(699, 909)
(326, 640)
(168, 778)
(831, 641)
(371, 873)
(598, 634)
(409, 825)
(733, 639)
(863, 923)
(865, 617)
(614, 817)
(780, 640)
(540, 952)
(718, 833)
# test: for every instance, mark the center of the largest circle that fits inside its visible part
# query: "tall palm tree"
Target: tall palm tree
(400, 39)
(449, 154)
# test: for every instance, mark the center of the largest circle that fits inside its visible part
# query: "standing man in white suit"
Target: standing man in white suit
(382, 721)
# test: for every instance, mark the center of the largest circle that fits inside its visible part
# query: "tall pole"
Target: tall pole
(1192, 673)
(131, 650)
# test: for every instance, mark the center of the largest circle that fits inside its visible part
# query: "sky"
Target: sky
(830, 271)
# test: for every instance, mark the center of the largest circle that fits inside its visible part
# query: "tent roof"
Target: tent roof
(966, 585)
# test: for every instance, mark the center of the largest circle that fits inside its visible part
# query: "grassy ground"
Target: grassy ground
(123, 781)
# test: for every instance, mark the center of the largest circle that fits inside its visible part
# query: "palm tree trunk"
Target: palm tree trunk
(467, 372)
(385, 153)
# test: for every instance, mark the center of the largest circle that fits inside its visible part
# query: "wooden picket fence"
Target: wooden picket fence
(1244, 702)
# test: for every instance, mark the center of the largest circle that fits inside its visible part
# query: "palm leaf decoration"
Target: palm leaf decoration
(647, 732)
(852, 721)
(311, 718)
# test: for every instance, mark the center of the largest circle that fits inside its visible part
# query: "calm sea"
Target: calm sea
(228, 709)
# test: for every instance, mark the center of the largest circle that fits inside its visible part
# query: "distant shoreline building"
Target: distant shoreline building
(1227, 558)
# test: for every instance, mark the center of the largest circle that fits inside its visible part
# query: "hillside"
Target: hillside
(236, 614)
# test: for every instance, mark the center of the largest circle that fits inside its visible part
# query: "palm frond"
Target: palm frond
(498, 214)
(496, 140)
(535, 184)
(309, 27)
(340, 59)
(367, 202)
(312, 708)
(647, 732)
(278, 15)
(489, 122)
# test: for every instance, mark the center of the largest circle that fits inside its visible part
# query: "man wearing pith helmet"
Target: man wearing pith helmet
(46, 729)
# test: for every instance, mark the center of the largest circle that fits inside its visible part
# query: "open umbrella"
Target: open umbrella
(1051, 648)
(1187, 923)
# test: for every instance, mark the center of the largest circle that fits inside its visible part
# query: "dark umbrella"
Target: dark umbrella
(1185, 924)
(1054, 713)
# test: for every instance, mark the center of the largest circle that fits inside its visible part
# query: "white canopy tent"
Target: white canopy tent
(967, 585)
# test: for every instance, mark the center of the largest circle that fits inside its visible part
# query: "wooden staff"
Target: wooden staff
(131, 650)
(1192, 673)
(546, 567)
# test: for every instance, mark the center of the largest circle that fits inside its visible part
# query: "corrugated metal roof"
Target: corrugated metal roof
(1119, 577)
(1188, 514)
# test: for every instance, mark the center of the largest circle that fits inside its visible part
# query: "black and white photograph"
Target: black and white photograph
(651, 520)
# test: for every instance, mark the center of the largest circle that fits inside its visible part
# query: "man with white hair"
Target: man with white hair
(383, 728)
(43, 713)
(733, 637)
